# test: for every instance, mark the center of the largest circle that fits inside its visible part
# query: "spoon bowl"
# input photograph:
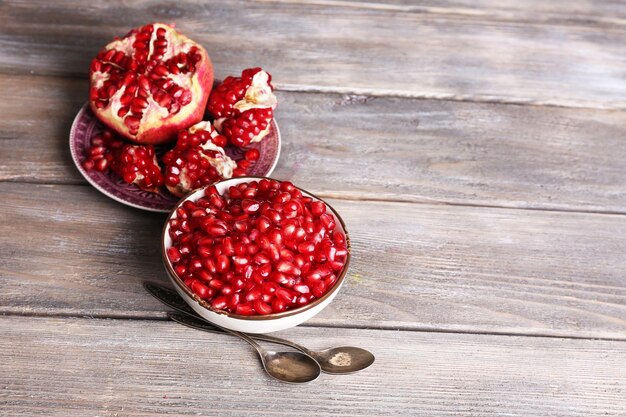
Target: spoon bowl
(294, 367)
(342, 359)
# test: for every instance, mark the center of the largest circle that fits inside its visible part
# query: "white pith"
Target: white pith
(258, 95)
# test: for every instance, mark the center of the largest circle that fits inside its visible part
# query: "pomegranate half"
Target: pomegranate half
(150, 84)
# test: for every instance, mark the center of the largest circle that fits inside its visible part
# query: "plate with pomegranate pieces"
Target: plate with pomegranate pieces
(157, 127)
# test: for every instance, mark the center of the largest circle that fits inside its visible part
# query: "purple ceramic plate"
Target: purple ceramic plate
(86, 126)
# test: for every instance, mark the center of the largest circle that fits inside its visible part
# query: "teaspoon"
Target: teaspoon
(295, 367)
(337, 360)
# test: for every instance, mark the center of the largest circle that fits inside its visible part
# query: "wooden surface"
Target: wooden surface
(475, 149)
(415, 266)
(340, 46)
(121, 367)
(428, 151)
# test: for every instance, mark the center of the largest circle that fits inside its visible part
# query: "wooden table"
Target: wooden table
(475, 149)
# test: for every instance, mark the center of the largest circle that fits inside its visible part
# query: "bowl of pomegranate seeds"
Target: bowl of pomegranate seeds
(255, 254)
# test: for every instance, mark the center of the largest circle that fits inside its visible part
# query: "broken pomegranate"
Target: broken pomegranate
(198, 159)
(135, 164)
(261, 248)
(243, 106)
(150, 84)
(248, 127)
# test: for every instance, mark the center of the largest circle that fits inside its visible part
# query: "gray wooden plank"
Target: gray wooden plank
(71, 250)
(342, 49)
(80, 367)
(376, 148)
(605, 13)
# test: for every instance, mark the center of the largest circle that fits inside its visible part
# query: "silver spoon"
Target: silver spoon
(295, 367)
(337, 360)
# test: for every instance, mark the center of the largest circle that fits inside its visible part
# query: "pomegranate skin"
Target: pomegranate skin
(165, 114)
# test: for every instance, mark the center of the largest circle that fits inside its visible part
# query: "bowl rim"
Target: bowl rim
(257, 317)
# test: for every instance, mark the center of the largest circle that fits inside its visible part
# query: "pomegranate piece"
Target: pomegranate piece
(150, 84)
(135, 164)
(198, 159)
(247, 127)
(243, 106)
(244, 254)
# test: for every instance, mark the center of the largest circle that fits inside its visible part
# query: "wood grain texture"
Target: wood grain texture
(79, 367)
(574, 12)
(377, 148)
(341, 49)
(74, 251)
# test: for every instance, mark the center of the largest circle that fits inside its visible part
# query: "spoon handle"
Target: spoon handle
(168, 297)
(201, 325)
(173, 300)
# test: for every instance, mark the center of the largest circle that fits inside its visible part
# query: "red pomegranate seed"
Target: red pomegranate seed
(279, 305)
(302, 288)
(219, 303)
(222, 264)
(173, 254)
(252, 155)
(318, 208)
(285, 294)
(244, 309)
(319, 289)
(253, 294)
(200, 289)
(262, 307)
(287, 268)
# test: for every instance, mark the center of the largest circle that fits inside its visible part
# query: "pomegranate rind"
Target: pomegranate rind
(157, 124)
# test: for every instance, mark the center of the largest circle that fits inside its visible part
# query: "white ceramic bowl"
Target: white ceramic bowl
(258, 323)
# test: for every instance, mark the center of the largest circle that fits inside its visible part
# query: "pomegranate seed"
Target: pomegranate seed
(253, 295)
(262, 307)
(240, 260)
(222, 263)
(249, 206)
(180, 270)
(264, 270)
(287, 268)
(302, 288)
(285, 294)
(274, 253)
(306, 247)
(173, 254)
(328, 221)
(261, 259)
(318, 208)
(244, 309)
(219, 303)
(279, 305)
(252, 155)
(200, 289)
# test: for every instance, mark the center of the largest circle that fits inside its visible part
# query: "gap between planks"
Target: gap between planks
(366, 93)
(344, 197)
(419, 329)
(461, 13)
